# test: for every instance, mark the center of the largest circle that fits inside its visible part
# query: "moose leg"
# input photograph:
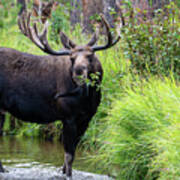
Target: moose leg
(2, 120)
(69, 141)
(71, 137)
(1, 168)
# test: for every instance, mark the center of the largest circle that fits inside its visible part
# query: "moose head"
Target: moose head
(82, 57)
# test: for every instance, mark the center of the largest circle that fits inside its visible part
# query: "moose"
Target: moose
(43, 89)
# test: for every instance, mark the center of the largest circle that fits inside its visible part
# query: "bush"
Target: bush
(152, 44)
(59, 22)
(140, 138)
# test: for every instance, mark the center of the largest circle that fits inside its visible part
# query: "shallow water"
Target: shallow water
(33, 153)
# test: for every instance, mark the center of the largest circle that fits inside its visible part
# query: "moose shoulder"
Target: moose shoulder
(44, 89)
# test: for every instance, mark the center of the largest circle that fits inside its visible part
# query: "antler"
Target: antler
(94, 38)
(33, 34)
(110, 41)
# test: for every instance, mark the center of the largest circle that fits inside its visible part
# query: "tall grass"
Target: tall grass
(140, 135)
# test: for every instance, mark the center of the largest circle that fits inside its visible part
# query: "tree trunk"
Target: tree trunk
(145, 8)
(22, 3)
(90, 9)
(109, 5)
(75, 13)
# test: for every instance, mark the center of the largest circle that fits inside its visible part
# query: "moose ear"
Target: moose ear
(67, 43)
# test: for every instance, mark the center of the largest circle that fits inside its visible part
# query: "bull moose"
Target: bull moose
(43, 89)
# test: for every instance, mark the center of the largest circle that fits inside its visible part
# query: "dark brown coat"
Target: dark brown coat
(29, 85)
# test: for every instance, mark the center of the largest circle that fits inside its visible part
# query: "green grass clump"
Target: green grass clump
(140, 138)
(152, 44)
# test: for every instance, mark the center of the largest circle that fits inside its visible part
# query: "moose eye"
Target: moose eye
(72, 59)
(90, 58)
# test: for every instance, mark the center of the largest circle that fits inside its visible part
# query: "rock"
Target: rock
(47, 174)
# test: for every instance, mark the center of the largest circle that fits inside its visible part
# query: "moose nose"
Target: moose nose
(79, 71)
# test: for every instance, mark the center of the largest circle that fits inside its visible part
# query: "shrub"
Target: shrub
(152, 43)
(59, 23)
(140, 138)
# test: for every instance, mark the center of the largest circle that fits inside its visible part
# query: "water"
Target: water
(30, 153)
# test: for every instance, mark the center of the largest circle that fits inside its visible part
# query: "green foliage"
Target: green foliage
(152, 44)
(7, 17)
(49, 132)
(59, 22)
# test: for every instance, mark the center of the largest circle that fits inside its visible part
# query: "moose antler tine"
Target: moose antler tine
(110, 41)
(28, 31)
(35, 28)
(34, 39)
(115, 41)
(43, 36)
(28, 19)
(68, 44)
(24, 24)
(44, 41)
(94, 38)
(21, 24)
(38, 39)
(63, 39)
(118, 33)
(108, 29)
(32, 33)
(28, 28)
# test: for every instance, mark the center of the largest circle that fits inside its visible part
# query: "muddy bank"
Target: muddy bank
(46, 174)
